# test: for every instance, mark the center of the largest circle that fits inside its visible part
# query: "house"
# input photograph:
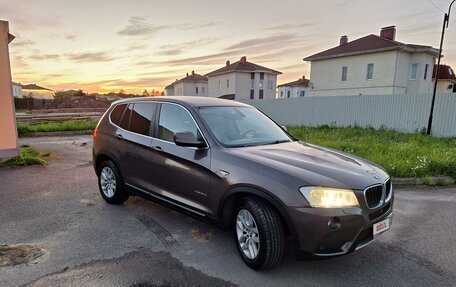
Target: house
(243, 80)
(8, 139)
(17, 90)
(37, 92)
(296, 89)
(447, 79)
(372, 65)
(192, 85)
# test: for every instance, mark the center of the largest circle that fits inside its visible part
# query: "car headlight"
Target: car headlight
(329, 197)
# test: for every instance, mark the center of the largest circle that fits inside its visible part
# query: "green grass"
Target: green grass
(24, 129)
(27, 156)
(402, 155)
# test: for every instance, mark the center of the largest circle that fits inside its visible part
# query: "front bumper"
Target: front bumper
(351, 228)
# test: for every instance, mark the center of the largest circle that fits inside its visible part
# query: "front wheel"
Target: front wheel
(110, 184)
(258, 234)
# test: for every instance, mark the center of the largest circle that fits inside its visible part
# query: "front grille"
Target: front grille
(374, 195)
(380, 212)
(388, 188)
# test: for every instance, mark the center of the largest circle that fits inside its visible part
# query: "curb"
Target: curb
(432, 180)
(60, 133)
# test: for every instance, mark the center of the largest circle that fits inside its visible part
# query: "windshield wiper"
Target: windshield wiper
(277, 142)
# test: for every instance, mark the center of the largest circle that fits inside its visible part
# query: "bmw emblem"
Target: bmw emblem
(377, 177)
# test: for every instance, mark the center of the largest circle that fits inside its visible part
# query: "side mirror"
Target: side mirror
(188, 139)
(284, 127)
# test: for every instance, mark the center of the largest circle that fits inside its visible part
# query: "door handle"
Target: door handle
(119, 136)
(157, 148)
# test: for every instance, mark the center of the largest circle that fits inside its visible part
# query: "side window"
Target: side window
(141, 116)
(116, 114)
(126, 117)
(174, 119)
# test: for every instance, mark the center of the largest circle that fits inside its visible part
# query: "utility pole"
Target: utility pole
(446, 21)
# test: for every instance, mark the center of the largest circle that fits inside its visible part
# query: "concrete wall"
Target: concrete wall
(402, 112)
(295, 92)
(189, 89)
(442, 86)
(391, 74)
(8, 138)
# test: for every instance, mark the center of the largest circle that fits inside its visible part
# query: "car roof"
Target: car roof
(188, 101)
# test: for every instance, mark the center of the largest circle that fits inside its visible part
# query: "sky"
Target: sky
(109, 45)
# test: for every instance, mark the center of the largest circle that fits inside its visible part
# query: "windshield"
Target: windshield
(242, 126)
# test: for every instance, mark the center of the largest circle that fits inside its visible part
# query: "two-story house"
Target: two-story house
(447, 79)
(191, 85)
(295, 89)
(243, 80)
(372, 65)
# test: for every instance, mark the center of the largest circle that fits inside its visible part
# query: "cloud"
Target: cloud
(39, 56)
(281, 38)
(88, 57)
(192, 26)
(289, 26)
(70, 37)
(138, 26)
(176, 49)
(21, 42)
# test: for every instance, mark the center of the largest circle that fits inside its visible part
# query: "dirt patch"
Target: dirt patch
(201, 235)
(11, 255)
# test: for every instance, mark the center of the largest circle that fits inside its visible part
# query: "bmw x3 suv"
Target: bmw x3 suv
(228, 163)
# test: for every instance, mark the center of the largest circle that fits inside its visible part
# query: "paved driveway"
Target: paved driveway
(86, 242)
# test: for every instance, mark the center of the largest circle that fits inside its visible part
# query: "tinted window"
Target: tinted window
(141, 116)
(116, 114)
(126, 117)
(175, 119)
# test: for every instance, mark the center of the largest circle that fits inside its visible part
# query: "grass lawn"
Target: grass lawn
(72, 125)
(27, 156)
(402, 155)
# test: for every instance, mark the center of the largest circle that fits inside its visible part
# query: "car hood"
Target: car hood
(316, 165)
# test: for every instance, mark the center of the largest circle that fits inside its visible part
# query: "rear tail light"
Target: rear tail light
(95, 133)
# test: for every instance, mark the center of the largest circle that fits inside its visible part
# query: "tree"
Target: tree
(145, 93)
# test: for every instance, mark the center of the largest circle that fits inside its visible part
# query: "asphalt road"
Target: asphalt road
(86, 242)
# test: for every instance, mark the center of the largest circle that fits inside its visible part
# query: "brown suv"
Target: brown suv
(228, 163)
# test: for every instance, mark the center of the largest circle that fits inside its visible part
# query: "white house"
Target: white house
(17, 90)
(447, 79)
(243, 80)
(296, 89)
(192, 85)
(372, 65)
(37, 92)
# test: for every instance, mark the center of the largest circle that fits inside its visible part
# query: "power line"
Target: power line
(436, 6)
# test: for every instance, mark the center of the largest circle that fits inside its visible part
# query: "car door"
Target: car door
(179, 173)
(132, 143)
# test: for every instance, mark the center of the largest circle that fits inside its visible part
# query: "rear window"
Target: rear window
(126, 117)
(141, 117)
(116, 114)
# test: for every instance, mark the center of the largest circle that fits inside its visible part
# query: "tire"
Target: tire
(110, 183)
(262, 233)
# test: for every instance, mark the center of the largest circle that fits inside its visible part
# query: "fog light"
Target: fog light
(334, 223)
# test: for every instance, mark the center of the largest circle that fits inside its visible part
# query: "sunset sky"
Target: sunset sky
(108, 45)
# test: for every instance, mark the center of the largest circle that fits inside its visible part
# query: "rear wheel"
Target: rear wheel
(258, 234)
(110, 184)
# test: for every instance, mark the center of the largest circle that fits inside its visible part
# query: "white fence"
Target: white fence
(405, 112)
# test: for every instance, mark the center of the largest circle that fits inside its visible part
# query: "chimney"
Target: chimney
(388, 33)
(227, 63)
(187, 74)
(193, 73)
(243, 60)
(303, 77)
(343, 40)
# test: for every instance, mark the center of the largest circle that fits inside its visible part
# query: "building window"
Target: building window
(270, 84)
(227, 84)
(252, 76)
(288, 94)
(197, 90)
(426, 69)
(413, 71)
(261, 76)
(261, 94)
(302, 93)
(202, 90)
(344, 73)
(252, 94)
(281, 94)
(370, 72)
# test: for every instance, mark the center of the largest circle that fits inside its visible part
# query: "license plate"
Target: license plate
(382, 226)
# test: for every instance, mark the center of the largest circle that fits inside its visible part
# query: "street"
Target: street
(84, 241)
